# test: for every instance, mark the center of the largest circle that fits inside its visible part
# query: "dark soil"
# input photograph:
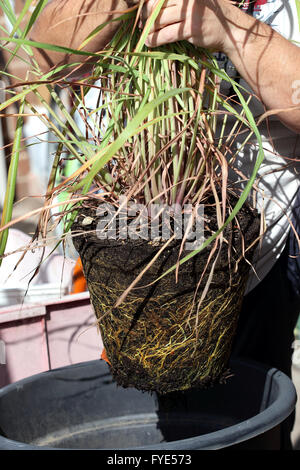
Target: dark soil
(158, 340)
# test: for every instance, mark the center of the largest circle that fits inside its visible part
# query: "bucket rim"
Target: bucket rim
(266, 419)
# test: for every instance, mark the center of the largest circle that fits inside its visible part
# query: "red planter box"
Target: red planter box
(39, 337)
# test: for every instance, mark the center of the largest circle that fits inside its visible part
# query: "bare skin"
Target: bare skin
(67, 23)
(266, 60)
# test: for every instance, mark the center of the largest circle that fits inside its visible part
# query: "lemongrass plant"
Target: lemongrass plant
(153, 130)
(160, 132)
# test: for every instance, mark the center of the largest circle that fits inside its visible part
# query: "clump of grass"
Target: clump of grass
(153, 130)
(160, 132)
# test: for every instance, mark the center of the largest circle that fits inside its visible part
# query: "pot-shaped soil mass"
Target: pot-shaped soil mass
(160, 339)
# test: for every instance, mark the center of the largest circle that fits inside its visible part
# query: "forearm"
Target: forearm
(67, 23)
(268, 62)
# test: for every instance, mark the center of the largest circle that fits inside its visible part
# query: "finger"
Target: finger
(171, 33)
(167, 17)
(149, 7)
(132, 2)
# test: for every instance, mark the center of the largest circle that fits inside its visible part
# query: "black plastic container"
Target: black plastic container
(79, 407)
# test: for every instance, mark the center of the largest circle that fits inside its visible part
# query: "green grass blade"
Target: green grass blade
(11, 182)
(33, 17)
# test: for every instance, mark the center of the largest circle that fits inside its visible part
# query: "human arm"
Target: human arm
(67, 23)
(268, 62)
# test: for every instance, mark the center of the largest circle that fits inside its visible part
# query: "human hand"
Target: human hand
(67, 23)
(204, 23)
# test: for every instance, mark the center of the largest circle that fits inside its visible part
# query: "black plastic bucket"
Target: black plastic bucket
(80, 407)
